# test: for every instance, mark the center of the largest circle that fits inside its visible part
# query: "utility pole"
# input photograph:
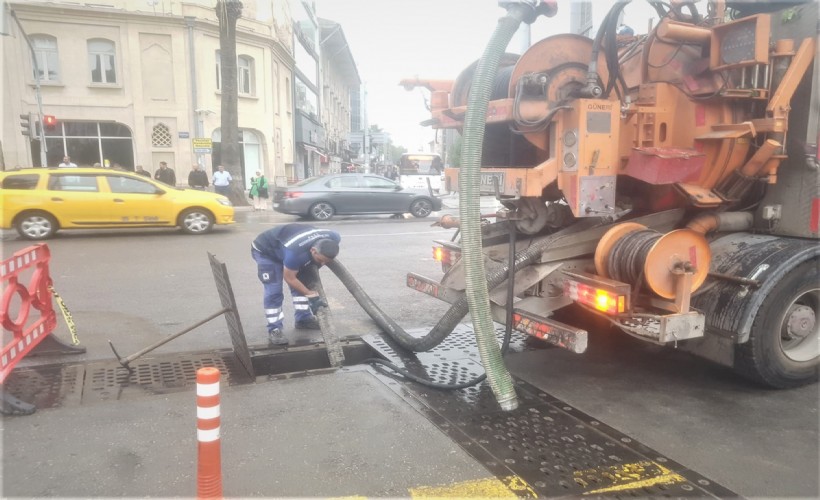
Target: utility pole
(366, 132)
(43, 147)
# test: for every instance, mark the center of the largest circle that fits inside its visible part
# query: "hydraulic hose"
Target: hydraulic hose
(478, 297)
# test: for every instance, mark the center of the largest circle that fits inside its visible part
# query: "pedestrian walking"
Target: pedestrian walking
(141, 171)
(198, 179)
(280, 253)
(165, 174)
(259, 191)
(222, 181)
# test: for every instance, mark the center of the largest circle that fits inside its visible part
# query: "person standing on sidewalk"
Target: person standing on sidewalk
(222, 181)
(198, 179)
(280, 253)
(165, 174)
(259, 191)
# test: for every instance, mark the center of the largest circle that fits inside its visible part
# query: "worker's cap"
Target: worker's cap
(327, 247)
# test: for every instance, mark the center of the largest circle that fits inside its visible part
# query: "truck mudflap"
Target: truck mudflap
(745, 268)
(554, 332)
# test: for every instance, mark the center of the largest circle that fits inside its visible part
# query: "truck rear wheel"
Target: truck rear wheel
(783, 349)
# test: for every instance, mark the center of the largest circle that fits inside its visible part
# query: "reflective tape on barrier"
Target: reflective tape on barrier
(207, 413)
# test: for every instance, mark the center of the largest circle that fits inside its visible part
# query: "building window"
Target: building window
(101, 61)
(218, 71)
(244, 74)
(161, 136)
(45, 51)
(87, 143)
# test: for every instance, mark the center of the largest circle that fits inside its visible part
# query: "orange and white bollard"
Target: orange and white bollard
(209, 462)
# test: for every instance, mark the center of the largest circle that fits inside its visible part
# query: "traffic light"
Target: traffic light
(50, 121)
(25, 124)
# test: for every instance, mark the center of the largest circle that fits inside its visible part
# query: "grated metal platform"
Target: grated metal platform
(555, 449)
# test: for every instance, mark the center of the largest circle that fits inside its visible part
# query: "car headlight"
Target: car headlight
(224, 201)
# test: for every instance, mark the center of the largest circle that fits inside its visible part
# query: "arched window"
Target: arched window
(48, 65)
(101, 61)
(161, 136)
(245, 76)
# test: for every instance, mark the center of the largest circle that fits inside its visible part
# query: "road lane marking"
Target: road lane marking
(506, 487)
(390, 234)
(628, 477)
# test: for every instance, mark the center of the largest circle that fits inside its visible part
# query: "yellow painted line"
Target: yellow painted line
(506, 487)
(627, 477)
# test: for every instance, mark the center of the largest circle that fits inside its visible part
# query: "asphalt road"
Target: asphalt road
(136, 287)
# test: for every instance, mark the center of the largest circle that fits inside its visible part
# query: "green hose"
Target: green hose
(478, 297)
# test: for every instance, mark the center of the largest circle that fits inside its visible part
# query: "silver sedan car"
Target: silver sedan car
(323, 197)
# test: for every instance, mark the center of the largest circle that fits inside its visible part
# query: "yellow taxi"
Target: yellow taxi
(39, 201)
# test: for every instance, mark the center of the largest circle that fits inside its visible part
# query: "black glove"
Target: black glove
(316, 302)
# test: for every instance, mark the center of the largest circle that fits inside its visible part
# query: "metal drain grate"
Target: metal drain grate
(51, 386)
(47, 386)
(556, 449)
(151, 376)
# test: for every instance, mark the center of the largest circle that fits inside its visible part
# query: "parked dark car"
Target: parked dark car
(323, 197)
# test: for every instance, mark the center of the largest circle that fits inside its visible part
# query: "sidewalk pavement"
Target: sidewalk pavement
(331, 435)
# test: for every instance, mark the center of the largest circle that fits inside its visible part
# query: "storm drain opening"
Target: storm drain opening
(74, 384)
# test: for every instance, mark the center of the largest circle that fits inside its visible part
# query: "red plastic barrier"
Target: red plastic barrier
(36, 294)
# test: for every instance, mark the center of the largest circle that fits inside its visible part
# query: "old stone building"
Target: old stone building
(135, 82)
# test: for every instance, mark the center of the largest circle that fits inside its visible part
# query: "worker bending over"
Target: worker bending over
(281, 252)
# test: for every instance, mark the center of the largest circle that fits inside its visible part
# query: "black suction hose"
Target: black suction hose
(380, 364)
(458, 310)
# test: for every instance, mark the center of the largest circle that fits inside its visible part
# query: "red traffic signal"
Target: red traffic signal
(49, 121)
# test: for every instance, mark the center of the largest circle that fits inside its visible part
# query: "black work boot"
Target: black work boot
(276, 337)
(308, 324)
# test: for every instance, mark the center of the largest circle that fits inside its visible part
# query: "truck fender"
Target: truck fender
(730, 307)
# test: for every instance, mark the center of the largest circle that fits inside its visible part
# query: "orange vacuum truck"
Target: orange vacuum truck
(668, 182)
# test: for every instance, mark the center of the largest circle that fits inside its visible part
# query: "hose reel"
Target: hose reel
(632, 253)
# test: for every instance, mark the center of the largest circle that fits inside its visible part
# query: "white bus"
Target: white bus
(416, 168)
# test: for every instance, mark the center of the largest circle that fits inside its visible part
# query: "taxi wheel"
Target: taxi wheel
(36, 226)
(196, 221)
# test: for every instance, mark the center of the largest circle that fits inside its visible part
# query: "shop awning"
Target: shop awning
(316, 150)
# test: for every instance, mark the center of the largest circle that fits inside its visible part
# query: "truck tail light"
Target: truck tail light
(607, 296)
(442, 255)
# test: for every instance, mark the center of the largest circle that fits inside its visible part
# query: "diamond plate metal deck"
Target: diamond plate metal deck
(558, 450)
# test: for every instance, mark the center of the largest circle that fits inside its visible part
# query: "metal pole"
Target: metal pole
(124, 362)
(43, 147)
(189, 23)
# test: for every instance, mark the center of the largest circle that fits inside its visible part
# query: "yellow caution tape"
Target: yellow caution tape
(72, 328)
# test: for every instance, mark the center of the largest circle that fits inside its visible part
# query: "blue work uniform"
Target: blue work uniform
(285, 246)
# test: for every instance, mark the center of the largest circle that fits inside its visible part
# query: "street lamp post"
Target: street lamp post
(43, 147)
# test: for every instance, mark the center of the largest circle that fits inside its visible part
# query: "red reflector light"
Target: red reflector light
(293, 194)
(597, 298)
